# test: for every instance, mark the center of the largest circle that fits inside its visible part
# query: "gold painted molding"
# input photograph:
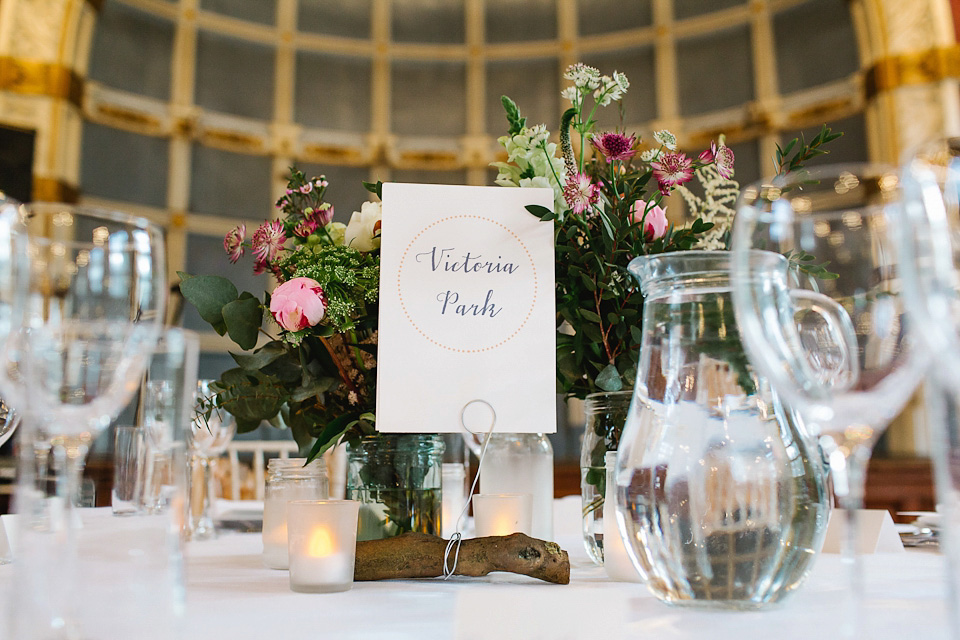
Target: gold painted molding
(53, 190)
(922, 67)
(32, 77)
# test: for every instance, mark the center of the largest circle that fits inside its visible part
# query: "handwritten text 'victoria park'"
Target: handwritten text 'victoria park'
(468, 264)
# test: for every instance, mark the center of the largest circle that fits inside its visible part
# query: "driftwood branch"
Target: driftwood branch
(418, 555)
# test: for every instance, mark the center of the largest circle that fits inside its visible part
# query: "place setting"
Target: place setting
(585, 384)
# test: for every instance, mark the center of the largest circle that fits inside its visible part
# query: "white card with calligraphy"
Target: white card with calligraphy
(467, 309)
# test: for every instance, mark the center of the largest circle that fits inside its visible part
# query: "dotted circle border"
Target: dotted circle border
(536, 283)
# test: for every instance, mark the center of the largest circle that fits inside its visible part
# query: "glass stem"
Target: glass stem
(849, 479)
(201, 519)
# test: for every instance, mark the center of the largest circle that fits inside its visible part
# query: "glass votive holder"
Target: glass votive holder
(322, 543)
(288, 479)
(500, 514)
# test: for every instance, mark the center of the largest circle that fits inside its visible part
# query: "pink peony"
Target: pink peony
(655, 224)
(614, 146)
(233, 242)
(298, 304)
(672, 169)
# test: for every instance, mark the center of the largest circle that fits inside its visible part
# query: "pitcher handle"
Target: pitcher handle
(831, 348)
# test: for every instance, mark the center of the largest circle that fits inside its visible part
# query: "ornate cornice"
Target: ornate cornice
(32, 77)
(922, 67)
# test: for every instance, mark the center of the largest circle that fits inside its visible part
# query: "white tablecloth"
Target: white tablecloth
(230, 595)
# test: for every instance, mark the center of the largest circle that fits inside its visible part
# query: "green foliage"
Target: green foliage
(785, 162)
(805, 263)
(209, 294)
(517, 123)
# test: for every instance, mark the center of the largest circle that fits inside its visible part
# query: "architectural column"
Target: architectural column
(44, 51)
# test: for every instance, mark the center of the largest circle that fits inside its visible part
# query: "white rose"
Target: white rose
(363, 230)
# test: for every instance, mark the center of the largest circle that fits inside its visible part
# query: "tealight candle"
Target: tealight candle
(500, 514)
(322, 544)
(288, 479)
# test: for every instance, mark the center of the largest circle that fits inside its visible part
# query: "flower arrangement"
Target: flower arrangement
(609, 208)
(317, 372)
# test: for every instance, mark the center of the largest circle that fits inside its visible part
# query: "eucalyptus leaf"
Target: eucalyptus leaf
(209, 294)
(243, 318)
(609, 379)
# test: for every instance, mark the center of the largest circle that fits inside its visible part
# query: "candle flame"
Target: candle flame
(321, 543)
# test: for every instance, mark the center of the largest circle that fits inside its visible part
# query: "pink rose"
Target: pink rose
(298, 304)
(655, 224)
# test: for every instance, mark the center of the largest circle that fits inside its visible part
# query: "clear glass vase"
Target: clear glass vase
(522, 463)
(721, 502)
(605, 414)
(397, 480)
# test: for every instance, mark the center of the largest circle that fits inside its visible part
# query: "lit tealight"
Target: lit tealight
(322, 544)
(500, 514)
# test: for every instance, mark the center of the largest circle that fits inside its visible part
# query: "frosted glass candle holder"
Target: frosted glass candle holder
(500, 514)
(322, 544)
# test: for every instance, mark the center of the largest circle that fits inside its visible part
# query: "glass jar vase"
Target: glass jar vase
(522, 463)
(288, 479)
(720, 501)
(605, 414)
(397, 480)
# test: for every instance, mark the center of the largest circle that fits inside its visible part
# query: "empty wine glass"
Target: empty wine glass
(835, 348)
(211, 431)
(94, 307)
(931, 257)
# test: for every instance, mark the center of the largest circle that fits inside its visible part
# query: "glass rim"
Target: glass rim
(762, 193)
(318, 503)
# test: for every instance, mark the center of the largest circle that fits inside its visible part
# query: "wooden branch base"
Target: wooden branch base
(418, 555)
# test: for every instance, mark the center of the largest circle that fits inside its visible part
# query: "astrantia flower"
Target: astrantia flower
(298, 304)
(323, 215)
(724, 161)
(570, 93)
(650, 155)
(614, 146)
(580, 193)
(666, 138)
(305, 228)
(583, 75)
(233, 242)
(621, 80)
(267, 242)
(707, 155)
(672, 169)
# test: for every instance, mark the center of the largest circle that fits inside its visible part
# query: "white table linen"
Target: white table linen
(229, 594)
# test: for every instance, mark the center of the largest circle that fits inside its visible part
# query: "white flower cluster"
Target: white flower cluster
(611, 89)
(717, 205)
(583, 76)
(532, 162)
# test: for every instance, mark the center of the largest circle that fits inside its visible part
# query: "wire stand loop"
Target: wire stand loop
(457, 538)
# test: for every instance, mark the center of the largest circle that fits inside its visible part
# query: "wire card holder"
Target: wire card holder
(456, 538)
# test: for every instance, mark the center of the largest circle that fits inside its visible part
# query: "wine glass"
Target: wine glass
(833, 344)
(931, 257)
(94, 308)
(211, 431)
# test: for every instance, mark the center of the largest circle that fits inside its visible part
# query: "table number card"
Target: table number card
(467, 309)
